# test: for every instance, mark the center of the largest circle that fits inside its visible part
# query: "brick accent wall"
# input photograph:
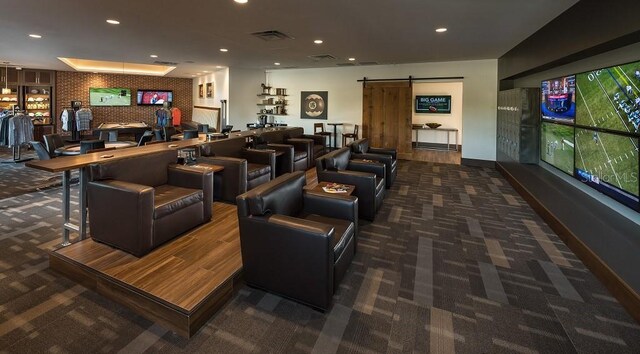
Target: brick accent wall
(72, 86)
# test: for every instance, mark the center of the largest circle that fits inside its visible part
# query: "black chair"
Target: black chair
(203, 128)
(168, 132)
(189, 134)
(108, 135)
(227, 129)
(42, 152)
(159, 134)
(53, 142)
(367, 177)
(145, 138)
(294, 242)
(86, 145)
(360, 149)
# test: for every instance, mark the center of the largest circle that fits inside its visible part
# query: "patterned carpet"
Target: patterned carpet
(456, 262)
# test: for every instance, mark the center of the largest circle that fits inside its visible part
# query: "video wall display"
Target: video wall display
(557, 146)
(559, 99)
(598, 142)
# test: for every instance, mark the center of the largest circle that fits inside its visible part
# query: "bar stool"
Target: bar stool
(353, 136)
(324, 134)
(203, 128)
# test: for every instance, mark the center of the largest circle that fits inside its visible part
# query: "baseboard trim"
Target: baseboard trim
(477, 163)
(627, 297)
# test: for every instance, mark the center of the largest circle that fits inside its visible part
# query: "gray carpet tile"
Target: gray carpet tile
(455, 262)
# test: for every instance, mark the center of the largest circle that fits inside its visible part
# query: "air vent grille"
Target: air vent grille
(322, 57)
(169, 63)
(270, 36)
(368, 63)
(345, 64)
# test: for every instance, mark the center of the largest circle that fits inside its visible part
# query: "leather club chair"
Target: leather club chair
(303, 152)
(318, 148)
(140, 203)
(368, 177)
(253, 168)
(360, 149)
(294, 242)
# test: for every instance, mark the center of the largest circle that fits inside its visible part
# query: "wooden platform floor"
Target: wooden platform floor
(451, 157)
(180, 285)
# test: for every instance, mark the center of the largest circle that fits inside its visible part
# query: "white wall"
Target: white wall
(244, 86)
(479, 104)
(220, 80)
(450, 120)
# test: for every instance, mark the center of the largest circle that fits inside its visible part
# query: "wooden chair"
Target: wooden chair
(318, 129)
(353, 135)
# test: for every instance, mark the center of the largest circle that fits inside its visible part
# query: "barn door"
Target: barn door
(386, 116)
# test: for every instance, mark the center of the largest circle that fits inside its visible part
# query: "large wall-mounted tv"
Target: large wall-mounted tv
(609, 163)
(154, 97)
(433, 104)
(557, 146)
(558, 98)
(109, 97)
(609, 98)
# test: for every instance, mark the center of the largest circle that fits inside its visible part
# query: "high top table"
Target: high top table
(335, 133)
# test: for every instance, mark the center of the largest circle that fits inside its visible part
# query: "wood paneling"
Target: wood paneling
(386, 115)
(180, 284)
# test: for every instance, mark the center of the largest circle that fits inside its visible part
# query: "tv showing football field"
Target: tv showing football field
(609, 98)
(557, 146)
(609, 163)
(558, 98)
(109, 97)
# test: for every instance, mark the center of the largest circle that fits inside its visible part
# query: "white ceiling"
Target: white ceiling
(382, 31)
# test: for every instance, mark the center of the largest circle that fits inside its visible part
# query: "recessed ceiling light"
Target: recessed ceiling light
(276, 63)
(205, 71)
(113, 22)
(193, 75)
(18, 68)
(241, 1)
(218, 67)
(35, 36)
(440, 30)
(318, 41)
(224, 50)
(153, 56)
(352, 59)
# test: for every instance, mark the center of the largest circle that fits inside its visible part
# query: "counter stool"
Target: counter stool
(324, 134)
(86, 145)
(353, 136)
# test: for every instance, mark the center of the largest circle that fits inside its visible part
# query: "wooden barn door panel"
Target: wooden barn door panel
(387, 115)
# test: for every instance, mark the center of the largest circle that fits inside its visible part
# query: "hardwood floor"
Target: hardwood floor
(438, 156)
(181, 284)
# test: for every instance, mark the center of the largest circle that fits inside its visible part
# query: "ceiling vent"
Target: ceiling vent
(270, 36)
(368, 63)
(169, 63)
(322, 57)
(345, 64)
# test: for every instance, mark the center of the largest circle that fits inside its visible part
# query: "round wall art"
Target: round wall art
(314, 104)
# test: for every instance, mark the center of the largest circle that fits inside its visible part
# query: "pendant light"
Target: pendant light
(6, 90)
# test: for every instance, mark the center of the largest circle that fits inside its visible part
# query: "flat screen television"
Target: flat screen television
(558, 98)
(557, 146)
(109, 97)
(608, 162)
(433, 104)
(609, 98)
(154, 97)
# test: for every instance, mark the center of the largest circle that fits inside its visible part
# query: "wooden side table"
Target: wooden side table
(206, 166)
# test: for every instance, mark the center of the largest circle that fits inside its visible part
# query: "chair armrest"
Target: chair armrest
(386, 159)
(287, 158)
(371, 167)
(191, 177)
(365, 182)
(230, 182)
(300, 144)
(392, 152)
(331, 205)
(263, 157)
(317, 139)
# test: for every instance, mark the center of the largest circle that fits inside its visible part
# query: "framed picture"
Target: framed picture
(313, 104)
(209, 89)
(201, 91)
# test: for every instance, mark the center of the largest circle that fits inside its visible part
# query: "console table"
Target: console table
(447, 131)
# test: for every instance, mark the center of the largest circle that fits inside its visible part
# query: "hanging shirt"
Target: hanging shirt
(176, 116)
(83, 119)
(65, 120)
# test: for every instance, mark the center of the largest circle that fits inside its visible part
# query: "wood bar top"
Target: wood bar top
(65, 163)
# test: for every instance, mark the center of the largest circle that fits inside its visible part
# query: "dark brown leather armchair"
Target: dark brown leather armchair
(360, 149)
(319, 147)
(303, 152)
(253, 168)
(368, 177)
(296, 243)
(139, 203)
